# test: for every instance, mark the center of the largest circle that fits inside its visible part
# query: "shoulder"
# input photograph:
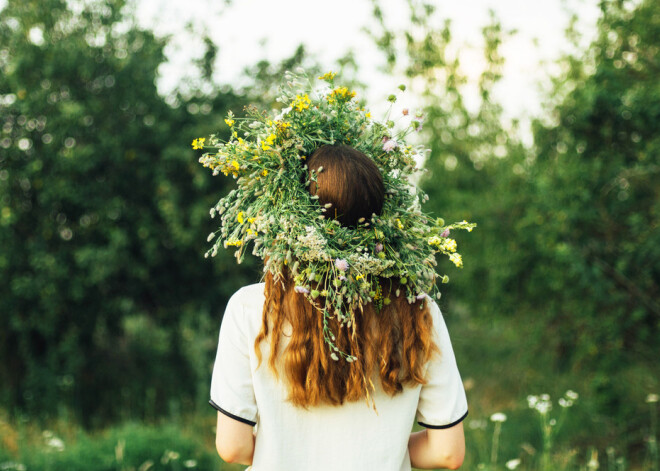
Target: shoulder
(246, 305)
(434, 309)
(248, 295)
(435, 312)
(439, 326)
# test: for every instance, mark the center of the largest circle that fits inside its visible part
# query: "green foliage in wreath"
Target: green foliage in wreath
(273, 209)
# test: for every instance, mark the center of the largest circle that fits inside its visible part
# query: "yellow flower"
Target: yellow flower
(301, 102)
(328, 76)
(450, 245)
(264, 173)
(230, 122)
(398, 224)
(235, 164)
(359, 277)
(447, 245)
(265, 145)
(239, 218)
(340, 94)
(250, 220)
(368, 115)
(250, 232)
(456, 258)
(435, 241)
(282, 126)
(198, 143)
(234, 243)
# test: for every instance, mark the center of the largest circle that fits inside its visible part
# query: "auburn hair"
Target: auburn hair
(393, 342)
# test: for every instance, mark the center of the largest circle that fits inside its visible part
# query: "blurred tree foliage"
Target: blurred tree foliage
(568, 242)
(108, 307)
(591, 227)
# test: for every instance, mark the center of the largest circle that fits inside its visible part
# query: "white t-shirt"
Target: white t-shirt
(348, 437)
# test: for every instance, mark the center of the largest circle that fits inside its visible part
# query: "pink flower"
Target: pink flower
(390, 145)
(301, 290)
(445, 233)
(421, 296)
(342, 278)
(379, 247)
(341, 264)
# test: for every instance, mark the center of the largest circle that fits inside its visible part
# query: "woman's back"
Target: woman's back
(355, 435)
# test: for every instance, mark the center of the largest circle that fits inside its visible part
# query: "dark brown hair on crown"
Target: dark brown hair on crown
(350, 181)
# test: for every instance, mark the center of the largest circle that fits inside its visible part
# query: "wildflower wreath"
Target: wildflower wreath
(273, 209)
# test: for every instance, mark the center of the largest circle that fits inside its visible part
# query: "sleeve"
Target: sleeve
(232, 391)
(442, 401)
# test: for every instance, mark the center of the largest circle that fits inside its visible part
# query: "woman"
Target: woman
(356, 412)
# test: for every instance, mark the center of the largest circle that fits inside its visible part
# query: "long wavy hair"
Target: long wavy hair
(393, 343)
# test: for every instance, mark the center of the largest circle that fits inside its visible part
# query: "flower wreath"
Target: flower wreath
(273, 209)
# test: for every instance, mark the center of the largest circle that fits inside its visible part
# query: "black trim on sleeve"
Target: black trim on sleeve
(445, 426)
(229, 414)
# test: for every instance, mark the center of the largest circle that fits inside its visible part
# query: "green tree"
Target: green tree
(566, 249)
(476, 159)
(108, 306)
(594, 209)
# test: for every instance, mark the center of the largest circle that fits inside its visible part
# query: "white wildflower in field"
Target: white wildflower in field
(169, 455)
(593, 461)
(532, 401)
(12, 466)
(55, 443)
(565, 402)
(541, 404)
(513, 464)
(498, 417)
(652, 398)
(569, 399)
(544, 407)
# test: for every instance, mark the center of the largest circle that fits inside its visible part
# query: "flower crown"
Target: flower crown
(273, 209)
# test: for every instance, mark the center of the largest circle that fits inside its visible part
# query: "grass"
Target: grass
(127, 447)
(504, 372)
(511, 424)
(530, 438)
